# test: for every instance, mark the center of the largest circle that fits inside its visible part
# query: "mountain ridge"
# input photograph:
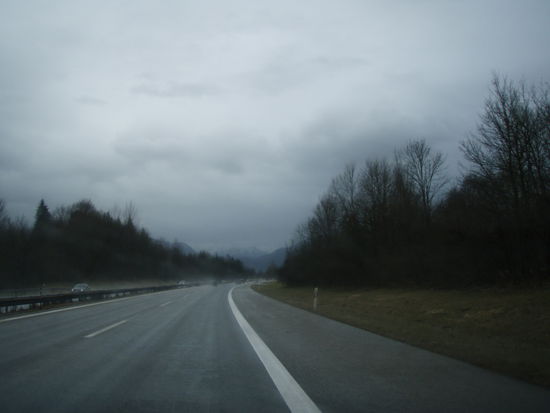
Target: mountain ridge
(255, 258)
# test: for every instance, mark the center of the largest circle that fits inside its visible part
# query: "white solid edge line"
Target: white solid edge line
(77, 307)
(294, 396)
(105, 329)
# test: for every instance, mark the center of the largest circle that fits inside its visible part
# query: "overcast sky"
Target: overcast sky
(224, 121)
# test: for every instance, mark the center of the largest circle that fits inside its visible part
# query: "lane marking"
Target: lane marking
(294, 396)
(165, 304)
(81, 306)
(98, 332)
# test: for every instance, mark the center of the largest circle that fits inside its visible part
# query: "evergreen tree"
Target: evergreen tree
(42, 216)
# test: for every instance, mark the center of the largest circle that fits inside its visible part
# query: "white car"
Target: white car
(80, 287)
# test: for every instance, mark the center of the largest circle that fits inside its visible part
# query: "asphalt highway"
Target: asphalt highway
(185, 351)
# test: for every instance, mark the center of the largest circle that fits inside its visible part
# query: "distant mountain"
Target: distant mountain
(255, 258)
(182, 246)
(242, 253)
(262, 263)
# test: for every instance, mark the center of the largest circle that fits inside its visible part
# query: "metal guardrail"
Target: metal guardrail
(27, 303)
(31, 291)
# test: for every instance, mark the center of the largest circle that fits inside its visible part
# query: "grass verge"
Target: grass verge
(504, 330)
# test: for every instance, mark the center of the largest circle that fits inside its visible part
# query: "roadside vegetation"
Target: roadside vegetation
(80, 243)
(505, 330)
(460, 268)
(401, 221)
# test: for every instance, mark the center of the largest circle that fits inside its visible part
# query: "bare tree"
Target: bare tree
(300, 237)
(129, 214)
(376, 186)
(424, 170)
(510, 150)
(511, 171)
(344, 190)
(3, 216)
(323, 226)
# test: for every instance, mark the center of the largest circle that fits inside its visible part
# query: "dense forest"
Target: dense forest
(402, 221)
(81, 243)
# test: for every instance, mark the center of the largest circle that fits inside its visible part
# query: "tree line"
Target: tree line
(401, 221)
(81, 243)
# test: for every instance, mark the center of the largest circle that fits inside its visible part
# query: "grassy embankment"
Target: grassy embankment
(504, 330)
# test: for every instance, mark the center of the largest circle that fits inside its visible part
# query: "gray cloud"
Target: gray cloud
(176, 90)
(90, 100)
(224, 122)
(340, 62)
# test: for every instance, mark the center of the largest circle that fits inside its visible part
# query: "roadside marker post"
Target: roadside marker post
(315, 294)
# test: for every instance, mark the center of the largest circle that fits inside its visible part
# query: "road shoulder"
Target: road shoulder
(345, 368)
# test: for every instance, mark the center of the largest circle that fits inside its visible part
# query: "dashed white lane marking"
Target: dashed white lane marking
(294, 396)
(165, 304)
(105, 329)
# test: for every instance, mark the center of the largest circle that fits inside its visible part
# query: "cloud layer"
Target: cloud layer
(225, 121)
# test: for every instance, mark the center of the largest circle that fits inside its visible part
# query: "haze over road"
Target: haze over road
(183, 350)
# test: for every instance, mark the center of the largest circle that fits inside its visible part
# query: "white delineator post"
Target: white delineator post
(315, 293)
